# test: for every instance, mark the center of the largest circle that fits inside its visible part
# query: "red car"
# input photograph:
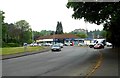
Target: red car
(99, 46)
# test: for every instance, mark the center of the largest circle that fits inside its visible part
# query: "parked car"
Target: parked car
(108, 44)
(56, 47)
(33, 44)
(66, 44)
(99, 46)
(81, 44)
(47, 44)
(91, 45)
(61, 44)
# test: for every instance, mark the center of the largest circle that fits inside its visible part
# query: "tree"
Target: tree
(25, 32)
(81, 35)
(52, 33)
(100, 13)
(59, 28)
(16, 34)
(103, 33)
(1, 24)
(2, 17)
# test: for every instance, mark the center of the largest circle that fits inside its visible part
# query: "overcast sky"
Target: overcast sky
(43, 14)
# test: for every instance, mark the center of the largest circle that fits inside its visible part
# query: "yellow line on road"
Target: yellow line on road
(95, 66)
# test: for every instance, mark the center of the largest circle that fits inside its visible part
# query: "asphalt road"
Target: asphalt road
(109, 67)
(71, 61)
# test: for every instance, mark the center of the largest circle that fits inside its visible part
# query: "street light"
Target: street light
(32, 36)
(53, 38)
(86, 31)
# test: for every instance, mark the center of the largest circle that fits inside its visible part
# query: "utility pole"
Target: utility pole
(86, 32)
(93, 35)
(32, 37)
(53, 38)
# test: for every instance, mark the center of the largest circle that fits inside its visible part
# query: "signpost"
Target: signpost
(25, 47)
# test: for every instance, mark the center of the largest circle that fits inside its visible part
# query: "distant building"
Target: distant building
(63, 38)
(57, 37)
(80, 30)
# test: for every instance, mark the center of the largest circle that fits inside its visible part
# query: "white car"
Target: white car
(108, 44)
(61, 44)
(56, 47)
(47, 44)
(91, 45)
(33, 44)
(67, 44)
(81, 44)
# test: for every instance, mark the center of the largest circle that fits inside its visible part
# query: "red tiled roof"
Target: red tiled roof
(58, 36)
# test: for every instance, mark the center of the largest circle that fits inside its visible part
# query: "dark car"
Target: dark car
(99, 46)
(56, 47)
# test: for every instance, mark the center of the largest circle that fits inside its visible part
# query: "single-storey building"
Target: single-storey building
(63, 38)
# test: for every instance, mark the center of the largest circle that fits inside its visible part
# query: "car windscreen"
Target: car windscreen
(55, 45)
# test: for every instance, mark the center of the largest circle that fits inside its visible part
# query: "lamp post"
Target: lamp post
(53, 38)
(32, 37)
(86, 31)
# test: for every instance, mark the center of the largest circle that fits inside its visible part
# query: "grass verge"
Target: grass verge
(14, 50)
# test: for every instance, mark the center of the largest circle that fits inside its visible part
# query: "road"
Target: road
(71, 61)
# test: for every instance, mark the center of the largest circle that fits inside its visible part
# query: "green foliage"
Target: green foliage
(1, 23)
(10, 44)
(25, 32)
(95, 12)
(103, 33)
(14, 50)
(45, 32)
(37, 34)
(59, 28)
(14, 35)
(97, 34)
(107, 13)
(80, 34)
(2, 16)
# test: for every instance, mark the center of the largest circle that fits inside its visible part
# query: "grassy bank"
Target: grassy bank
(14, 50)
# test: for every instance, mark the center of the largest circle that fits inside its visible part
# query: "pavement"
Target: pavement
(24, 54)
(109, 66)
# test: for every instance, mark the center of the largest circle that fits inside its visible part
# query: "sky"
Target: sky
(43, 14)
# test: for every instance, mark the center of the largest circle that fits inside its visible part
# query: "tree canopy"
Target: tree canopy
(17, 33)
(95, 12)
(106, 13)
(59, 28)
(1, 22)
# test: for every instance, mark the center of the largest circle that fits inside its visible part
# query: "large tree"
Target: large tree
(1, 23)
(17, 33)
(25, 32)
(107, 13)
(59, 28)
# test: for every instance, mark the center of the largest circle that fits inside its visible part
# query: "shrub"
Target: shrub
(10, 45)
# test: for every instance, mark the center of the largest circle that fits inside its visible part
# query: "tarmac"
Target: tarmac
(108, 68)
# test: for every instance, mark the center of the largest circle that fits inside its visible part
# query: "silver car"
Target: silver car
(61, 44)
(56, 47)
